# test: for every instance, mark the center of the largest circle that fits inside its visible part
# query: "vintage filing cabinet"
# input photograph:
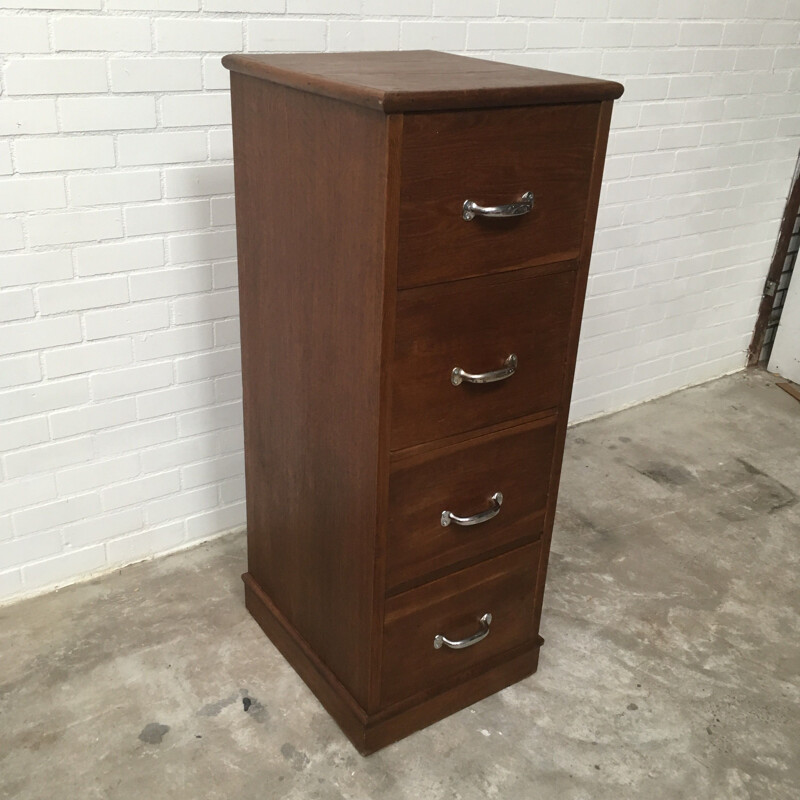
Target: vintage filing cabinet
(414, 233)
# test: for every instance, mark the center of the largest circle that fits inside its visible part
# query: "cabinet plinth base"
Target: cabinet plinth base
(371, 732)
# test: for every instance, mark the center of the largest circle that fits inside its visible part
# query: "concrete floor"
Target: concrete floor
(670, 668)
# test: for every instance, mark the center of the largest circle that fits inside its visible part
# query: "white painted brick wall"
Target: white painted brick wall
(120, 393)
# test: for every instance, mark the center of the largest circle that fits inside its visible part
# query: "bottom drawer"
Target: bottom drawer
(452, 607)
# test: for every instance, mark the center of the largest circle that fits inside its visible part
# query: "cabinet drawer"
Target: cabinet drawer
(492, 158)
(476, 325)
(453, 607)
(463, 479)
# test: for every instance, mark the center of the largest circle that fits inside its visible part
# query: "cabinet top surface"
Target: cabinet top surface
(420, 80)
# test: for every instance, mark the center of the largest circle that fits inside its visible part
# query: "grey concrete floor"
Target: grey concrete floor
(670, 668)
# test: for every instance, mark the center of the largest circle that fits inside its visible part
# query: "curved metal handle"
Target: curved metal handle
(475, 519)
(458, 375)
(460, 644)
(523, 206)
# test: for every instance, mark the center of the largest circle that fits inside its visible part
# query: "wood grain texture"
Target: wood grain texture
(420, 80)
(461, 478)
(476, 324)
(579, 294)
(452, 606)
(308, 233)
(492, 157)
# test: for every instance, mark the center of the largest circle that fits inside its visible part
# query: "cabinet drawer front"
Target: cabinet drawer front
(492, 158)
(453, 607)
(476, 325)
(462, 479)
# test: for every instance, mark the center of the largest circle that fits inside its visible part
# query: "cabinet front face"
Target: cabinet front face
(465, 501)
(537, 160)
(448, 626)
(506, 335)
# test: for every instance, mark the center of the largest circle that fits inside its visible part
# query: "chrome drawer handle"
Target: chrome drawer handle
(458, 375)
(460, 644)
(475, 519)
(523, 206)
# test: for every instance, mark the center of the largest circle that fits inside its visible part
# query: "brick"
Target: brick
(64, 567)
(282, 35)
(106, 33)
(228, 388)
(140, 490)
(92, 418)
(248, 6)
(201, 308)
(19, 337)
(184, 110)
(98, 473)
(114, 187)
(180, 452)
(226, 332)
(201, 35)
(82, 294)
(179, 398)
(220, 144)
(232, 490)
(6, 167)
(215, 76)
(223, 211)
(16, 304)
(107, 113)
(11, 237)
(26, 492)
(101, 528)
(87, 358)
(198, 181)
(161, 148)
(210, 419)
(51, 4)
(167, 217)
(175, 341)
(155, 74)
(31, 194)
(29, 548)
(10, 581)
(119, 257)
(131, 381)
(464, 8)
(139, 546)
(138, 436)
(219, 520)
(213, 470)
(694, 34)
(220, 362)
(134, 318)
(55, 76)
(202, 246)
(27, 116)
(23, 34)
(31, 268)
(48, 154)
(323, 6)
(23, 433)
(231, 440)
(74, 226)
(434, 35)
(48, 457)
(359, 34)
(181, 505)
(391, 8)
(154, 5)
(496, 35)
(225, 274)
(170, 282)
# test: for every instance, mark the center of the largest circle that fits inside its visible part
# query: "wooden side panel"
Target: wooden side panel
(601, 141)
(310, 207)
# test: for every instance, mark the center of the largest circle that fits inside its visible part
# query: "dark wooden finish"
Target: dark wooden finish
(420, 80)
(515, 461)
(775, 268)
(452, 606)
(492, 157)
(476, 325)
(355, 438)
(311, 359)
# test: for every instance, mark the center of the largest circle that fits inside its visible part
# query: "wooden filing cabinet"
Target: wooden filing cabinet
(414, 233)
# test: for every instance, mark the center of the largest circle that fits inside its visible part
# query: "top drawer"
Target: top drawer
(492, 157)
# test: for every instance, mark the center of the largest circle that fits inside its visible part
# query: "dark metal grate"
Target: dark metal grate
(780, 292)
